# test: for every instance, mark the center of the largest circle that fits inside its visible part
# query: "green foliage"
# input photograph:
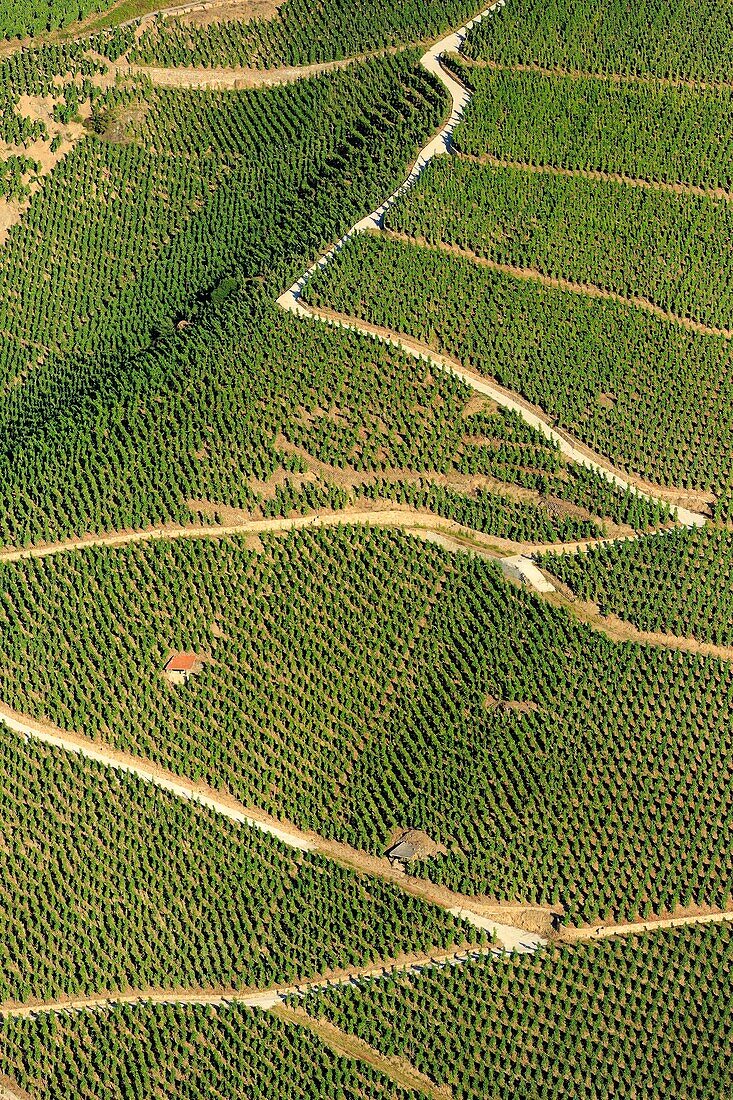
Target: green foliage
(643, 1017)
(653, 397)
(304, 31)
(653, 133)
(110, 883)
(16, 173)
(667, 248)
(664, 38)
(126, 236)
(413, 687)
(19, 19)
(181, 1052)
(679, 583)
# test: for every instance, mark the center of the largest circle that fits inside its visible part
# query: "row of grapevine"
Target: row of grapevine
(21, 19)
(673, 134)
(181, 1052)
(414, 687)
(111, 884)
(681, 583)
(639, 1018)
(654, 397)
(661, 38)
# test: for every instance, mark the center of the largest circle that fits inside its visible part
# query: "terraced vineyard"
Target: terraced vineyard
(600, 369)
(639, 243)
(143, 891)
(184, 1052)
(314, 554)
(576, 1014)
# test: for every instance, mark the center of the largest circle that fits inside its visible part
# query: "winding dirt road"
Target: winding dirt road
(292, 299)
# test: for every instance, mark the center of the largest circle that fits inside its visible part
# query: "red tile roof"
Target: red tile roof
(181, 662)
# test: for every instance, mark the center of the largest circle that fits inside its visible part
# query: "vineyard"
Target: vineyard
(144, 891)
(640, 1017)
(679, 584)
(181, 1052)
(655, 133)
(506, 700)
(390, 674)
(668, 248)
(669, 39)
(300, 34)
(20, 19)
(600, 369)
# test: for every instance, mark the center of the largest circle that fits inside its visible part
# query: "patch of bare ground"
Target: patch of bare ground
(619, 630)
(236, 79)
(677, 188)
(347, 477)
(224, 11)
(509, 706)
(10, 1091)
(39, 109)
(397, 1069)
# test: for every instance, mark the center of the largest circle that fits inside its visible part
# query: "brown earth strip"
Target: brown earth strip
(677, 188)
(613, 78)
(397, 1069)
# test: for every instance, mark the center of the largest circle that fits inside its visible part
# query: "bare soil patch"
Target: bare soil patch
(225, 11)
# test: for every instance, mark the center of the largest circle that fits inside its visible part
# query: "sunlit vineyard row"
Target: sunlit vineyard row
(302, 32)
(673, 134)
(397, 663)
(679, 584)
(180, 1052)
(16, 173)
(668, 248)
(112, 884)
(227, 437)
(663, 38)
(653, 397)
(642, 1018)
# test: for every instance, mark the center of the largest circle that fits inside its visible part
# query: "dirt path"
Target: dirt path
(587, 290)
(233, 79)
(397, 1069)
(536, 418)
(10, 1091)
(606, 78)
(480, 912)
(676, 188)
(254, 998)
(617, 629)
(602, 932)
(448, 533)
(291, 299)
